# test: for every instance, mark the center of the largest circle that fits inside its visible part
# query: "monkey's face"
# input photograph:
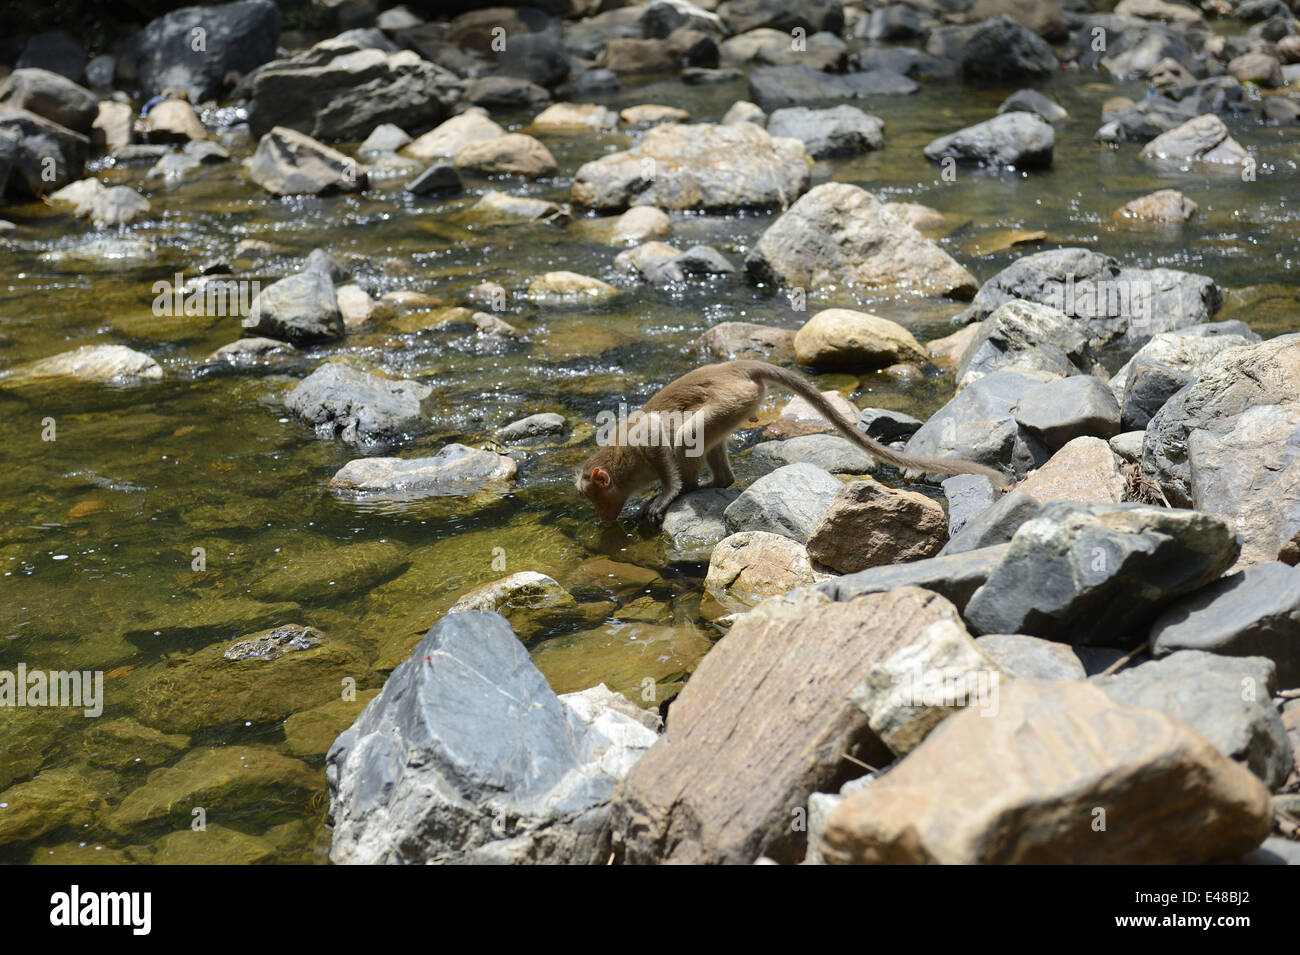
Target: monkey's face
(596, 485)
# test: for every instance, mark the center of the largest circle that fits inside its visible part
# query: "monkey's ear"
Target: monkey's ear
(600, 477)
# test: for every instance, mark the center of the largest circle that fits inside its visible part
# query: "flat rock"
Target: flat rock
(454, 471)
(1023, 656)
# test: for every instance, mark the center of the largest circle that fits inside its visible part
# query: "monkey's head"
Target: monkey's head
(595, 481)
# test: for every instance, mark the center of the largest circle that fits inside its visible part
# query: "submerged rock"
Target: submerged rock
(103, 364)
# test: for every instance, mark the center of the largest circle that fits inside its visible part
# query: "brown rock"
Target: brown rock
(799, 417)
(746, 567)
(1164, 205)
(1085, 469)
(1062, 774)
(1258, 68)
(845, 339)
(626, 55)
(513, 153)
(765, 721)
(869, 524)
(729, 341)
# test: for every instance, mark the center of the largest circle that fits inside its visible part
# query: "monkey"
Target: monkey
(687, 423)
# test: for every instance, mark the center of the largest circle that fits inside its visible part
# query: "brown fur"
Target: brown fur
(725, 396)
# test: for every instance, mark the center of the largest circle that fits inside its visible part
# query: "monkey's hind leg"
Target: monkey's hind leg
(720, 466)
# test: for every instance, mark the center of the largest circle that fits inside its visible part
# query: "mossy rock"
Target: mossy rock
(317, 572)
(624, 656)
(311, 732)
(207, 689)
(215, 845)
(52, 801)
(227, 782)
(125, 744)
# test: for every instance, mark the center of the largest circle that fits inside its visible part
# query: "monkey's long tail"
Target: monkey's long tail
(762, 371)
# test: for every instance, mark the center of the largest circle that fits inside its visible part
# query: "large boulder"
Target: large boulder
(1228, 443)
(1028, 785)
(1098, 574)
(197, 48)
(468, 756)
(358, 407)
(337, 90)
(727, 779)
(1204, 140)
(839, 234)
(1026, 336)
(699, 166)
(1022, 140)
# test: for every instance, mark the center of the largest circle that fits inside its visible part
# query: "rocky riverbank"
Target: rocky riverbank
(310, 326)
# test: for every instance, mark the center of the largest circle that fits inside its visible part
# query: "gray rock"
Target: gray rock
(454, 471)
(776, 87)
(237, 38)
(117, 205)
(830, 452)
(506, 93)
(731, 340)
(703, 260)
(996, 525)
(1032, 657)
(1113, 305)
(318, 260)
(1128, 445)
(785, 15)
(969, 495)
(1252, 613)
(886, 424)
(790, 501)
(358, 407)
(954, 577)
(839, 131)
(1057, 412)
(1001, 50)
(288, 163)
(1226, 700)
(57, 52)
(439, 179)
(1097, 574)
(978, 425)
(1227, 444)
(695, 523)
(1275, 850)
(299, 308)
(1188, 350)
(52, 96)
(468, 756)
(1032, 101)
(1149, 384)
(339, 90)
(1026, 335)
(696, 166)
(894, 23)
(29, 143)
(1021, 140)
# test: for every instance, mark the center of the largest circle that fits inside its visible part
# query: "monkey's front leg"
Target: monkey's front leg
(670, 474)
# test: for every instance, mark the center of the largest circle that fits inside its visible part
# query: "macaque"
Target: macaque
(685, 425)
